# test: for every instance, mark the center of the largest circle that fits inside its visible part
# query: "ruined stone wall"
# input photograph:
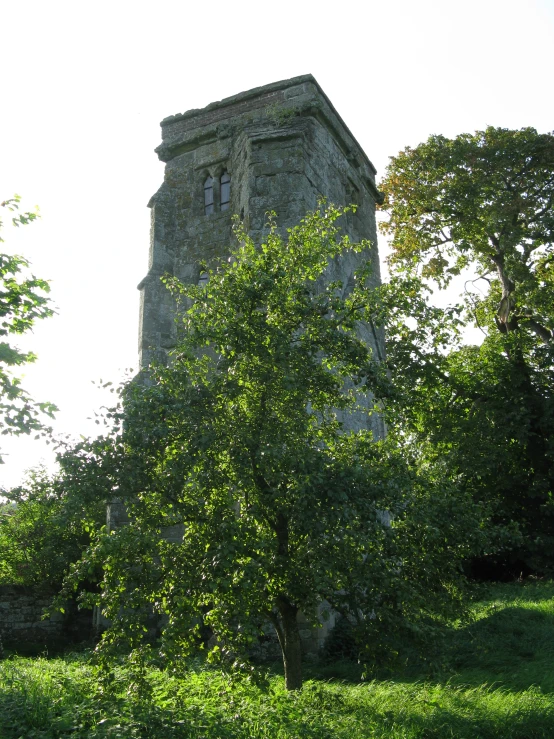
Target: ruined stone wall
(21, 611)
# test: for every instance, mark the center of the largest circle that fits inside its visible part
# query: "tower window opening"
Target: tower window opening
(209, 195)
(203, 278)
(225, 191)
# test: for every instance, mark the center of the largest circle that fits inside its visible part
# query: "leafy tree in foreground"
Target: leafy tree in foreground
(22, 300)
(237, 445)
(480, 205)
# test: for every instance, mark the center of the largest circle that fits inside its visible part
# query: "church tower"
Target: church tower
(279, 147)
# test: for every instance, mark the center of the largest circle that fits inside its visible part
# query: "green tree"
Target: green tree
(23, 299)
(236, 449)
(479, 206)
(482, 202)
(43, 531)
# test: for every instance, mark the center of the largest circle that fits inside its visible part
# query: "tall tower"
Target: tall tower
(278, 147)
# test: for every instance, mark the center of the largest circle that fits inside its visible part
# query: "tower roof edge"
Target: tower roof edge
(241, 96)
(292, 92)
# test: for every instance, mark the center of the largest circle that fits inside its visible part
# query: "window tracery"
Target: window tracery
(225, 191)
(209, 195)
(217, 192)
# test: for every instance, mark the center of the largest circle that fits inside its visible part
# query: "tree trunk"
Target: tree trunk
(502, 317)
(288, 633)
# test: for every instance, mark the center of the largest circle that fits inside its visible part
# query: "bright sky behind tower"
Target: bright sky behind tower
(85, 85)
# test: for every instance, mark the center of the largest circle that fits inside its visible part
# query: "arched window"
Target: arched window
(203, 278)
(225, 191)
(209, 195)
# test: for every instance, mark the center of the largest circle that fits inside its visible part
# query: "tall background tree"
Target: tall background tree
(478, 207)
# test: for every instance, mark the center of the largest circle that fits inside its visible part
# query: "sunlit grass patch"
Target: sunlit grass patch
(41, 694)
(511, 640)
(499, 686)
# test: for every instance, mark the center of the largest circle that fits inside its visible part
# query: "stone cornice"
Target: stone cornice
(184, 131)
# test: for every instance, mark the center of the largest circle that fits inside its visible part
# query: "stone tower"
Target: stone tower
(278, 147)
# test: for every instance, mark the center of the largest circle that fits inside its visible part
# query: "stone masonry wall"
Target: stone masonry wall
(21, 612)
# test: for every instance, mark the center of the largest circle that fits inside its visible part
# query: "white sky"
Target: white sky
(85, 84)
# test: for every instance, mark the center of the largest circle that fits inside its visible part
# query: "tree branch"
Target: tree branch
(542, 332)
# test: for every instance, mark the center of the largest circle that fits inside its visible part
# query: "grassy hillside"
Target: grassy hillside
(493, 678)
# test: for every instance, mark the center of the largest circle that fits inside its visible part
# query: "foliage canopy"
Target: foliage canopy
(23, 299)
(43, 531)
(479, 206)
(237, 450)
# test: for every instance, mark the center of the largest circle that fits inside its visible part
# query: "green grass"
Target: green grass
(496, 680)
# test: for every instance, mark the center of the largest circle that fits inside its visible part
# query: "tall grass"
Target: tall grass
(496, 681)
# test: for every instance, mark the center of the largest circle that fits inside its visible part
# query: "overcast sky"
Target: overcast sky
(84, 86)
